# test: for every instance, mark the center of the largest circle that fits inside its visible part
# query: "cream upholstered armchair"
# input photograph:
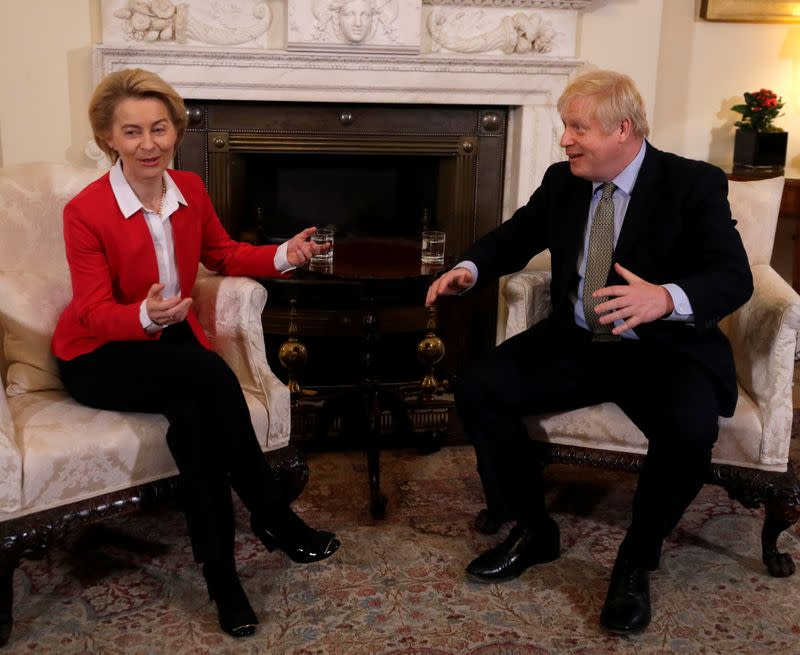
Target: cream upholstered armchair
(62, 463)
(751, 457)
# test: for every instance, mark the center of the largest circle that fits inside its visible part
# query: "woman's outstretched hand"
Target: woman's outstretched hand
(299, 249)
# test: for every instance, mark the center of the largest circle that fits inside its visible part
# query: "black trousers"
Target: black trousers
(210, 434)
(670, 398)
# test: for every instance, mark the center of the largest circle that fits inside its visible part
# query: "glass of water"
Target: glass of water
(433, 247)
(321, 237)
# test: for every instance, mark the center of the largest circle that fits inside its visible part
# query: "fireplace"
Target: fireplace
(447, 106)
(366, 170)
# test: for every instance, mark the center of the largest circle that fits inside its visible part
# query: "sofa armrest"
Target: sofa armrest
(229, 309)
(10, 458)
(527, 296)
(763, 334)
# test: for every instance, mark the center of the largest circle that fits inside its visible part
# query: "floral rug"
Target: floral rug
(397, 586)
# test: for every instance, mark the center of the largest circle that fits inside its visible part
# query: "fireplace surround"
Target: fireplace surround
(251, 69)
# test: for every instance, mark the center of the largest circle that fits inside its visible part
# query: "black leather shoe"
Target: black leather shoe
(301, 543)
(627, 606)
(236, 616)
(523, 547)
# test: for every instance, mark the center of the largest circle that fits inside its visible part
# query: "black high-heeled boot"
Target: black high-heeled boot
(290, 533)
(236, 616)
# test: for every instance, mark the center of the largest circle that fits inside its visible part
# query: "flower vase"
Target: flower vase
(760, 150)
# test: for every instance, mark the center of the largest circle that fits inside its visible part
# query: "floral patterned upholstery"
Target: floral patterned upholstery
(53, 450)
(763, 334)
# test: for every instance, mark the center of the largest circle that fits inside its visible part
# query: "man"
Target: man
(645, 262)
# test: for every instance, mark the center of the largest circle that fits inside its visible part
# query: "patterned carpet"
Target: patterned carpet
(397, 586)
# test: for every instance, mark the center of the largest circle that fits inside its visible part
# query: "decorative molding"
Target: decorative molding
(237, 23)
(519, 33)
(522, 4)
(106, 56)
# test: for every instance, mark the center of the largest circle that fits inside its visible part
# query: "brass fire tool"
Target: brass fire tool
(430, 351)
(293, 355)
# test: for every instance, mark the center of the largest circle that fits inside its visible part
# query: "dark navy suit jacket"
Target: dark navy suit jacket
(677, 228)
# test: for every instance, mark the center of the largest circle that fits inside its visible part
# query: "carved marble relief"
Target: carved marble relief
(195, 22)
(518, 33)
(354, 25)
(497, 32)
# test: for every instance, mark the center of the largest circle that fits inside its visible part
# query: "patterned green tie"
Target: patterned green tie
(598, 259)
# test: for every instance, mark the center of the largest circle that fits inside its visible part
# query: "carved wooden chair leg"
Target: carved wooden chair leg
(779, 565)
(782, 507)
(8, 562)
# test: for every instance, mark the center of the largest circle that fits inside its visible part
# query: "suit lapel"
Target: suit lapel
(574, 222)
(640, 205)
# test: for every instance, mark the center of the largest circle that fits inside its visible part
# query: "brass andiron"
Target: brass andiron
(293, 355)
(430, 351)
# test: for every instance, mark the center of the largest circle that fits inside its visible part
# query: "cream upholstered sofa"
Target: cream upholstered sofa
(61, 462)
(751, 457)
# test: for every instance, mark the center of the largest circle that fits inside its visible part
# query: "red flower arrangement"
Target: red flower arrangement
(760, 108)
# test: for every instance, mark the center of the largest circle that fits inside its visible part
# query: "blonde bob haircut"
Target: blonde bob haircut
(131, 83)
(615, 98)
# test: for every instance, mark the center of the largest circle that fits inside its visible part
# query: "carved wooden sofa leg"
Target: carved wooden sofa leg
(290, 467)
(8, 562)
(783, 511)
(779, 493)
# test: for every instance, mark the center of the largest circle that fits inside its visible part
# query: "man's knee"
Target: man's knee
(475, 387)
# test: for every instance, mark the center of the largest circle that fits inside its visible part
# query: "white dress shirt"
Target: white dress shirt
(160, 227)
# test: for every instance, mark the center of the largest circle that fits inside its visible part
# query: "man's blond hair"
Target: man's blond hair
(615, 98)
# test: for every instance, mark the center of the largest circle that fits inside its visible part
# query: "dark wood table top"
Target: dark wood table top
(372, 258)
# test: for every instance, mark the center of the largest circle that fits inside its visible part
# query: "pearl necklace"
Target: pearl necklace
(163, 199)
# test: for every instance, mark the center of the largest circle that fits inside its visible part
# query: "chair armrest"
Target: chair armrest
(10, 458)
(527, 296)
(229, 309)
(763, 335)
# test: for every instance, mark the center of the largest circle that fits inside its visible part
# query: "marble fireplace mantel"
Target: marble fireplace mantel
(515, 53)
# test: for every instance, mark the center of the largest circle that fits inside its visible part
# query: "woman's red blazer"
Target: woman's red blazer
(112, 262)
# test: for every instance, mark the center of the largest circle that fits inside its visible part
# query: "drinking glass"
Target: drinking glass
(321, 237)
(433, 247)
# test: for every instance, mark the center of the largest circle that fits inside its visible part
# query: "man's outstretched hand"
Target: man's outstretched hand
(451, 283)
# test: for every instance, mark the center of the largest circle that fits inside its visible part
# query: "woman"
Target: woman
(130, 339)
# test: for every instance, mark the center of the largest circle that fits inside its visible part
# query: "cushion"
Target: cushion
(755, 205)
(72, 452)
(30, 304)
(606, 427)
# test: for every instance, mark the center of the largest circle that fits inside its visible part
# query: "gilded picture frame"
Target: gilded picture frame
(751, 11)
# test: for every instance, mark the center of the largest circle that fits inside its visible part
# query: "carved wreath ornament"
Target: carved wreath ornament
(233, 21)
(520, 33)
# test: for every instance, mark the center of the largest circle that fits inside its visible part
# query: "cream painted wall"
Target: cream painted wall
(46, 88)
(690, 73)
(704, 68)
(623, 35)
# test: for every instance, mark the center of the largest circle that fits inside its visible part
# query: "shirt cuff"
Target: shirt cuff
(281, 262)
(470, 266)
(683, 308)
(149, 325)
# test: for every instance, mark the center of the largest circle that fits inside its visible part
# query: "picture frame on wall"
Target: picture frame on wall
(751, 11)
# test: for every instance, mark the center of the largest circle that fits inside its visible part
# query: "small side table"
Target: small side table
(385, 272)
